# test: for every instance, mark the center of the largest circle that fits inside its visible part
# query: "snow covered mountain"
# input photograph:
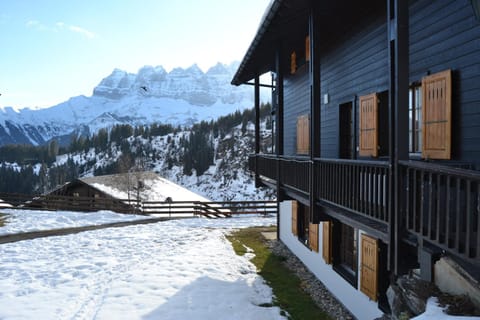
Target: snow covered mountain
(178, 97)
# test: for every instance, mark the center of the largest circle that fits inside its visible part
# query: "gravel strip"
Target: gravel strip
(310, 284)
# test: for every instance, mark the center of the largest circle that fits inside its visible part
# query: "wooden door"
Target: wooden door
(369, 267)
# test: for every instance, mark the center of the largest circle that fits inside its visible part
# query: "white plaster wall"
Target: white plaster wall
(354, 300)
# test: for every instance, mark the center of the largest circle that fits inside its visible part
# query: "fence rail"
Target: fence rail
(170, 208)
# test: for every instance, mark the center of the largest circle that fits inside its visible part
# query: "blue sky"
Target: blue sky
(52, 50)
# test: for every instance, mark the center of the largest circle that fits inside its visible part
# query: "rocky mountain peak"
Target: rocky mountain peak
(179, 97)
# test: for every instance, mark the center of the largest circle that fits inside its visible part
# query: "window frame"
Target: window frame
(415, 123)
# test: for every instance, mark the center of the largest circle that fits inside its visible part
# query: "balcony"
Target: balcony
(442, 206)
(439, 205)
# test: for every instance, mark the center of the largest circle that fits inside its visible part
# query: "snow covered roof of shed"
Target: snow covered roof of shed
(149, 185)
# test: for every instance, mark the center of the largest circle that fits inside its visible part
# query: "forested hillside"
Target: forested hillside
(209, 157)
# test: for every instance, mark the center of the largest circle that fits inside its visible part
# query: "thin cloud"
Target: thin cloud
(61, 26)
(35, 24)
(82, 31)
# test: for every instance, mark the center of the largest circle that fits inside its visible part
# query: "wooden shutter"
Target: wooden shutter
(369, 267)
(307, 48)
(294, 217)
(437, 115)
(369, 125)
(313, 236)
(293, 62)
(303, 134)
(327, 242)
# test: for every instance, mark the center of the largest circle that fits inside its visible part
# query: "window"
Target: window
(306, 232)
(415, 119)
(348, 248)
(437, 115)
(303, 223)
(368, 125)
(345, 252)
(303, 134)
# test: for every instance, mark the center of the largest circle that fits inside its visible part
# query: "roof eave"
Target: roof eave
(242, 76)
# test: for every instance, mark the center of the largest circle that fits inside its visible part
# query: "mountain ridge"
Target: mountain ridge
(179, 97)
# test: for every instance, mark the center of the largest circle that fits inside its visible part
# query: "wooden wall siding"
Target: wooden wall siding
(355, 65)
(296, 103)
(444, 34)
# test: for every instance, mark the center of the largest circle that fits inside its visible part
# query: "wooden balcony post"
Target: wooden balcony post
(397, 20)
(257, 129)
(279, 116)
(315, 105)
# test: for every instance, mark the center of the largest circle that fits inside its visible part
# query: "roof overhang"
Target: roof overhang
(283, 20)
(285, 25)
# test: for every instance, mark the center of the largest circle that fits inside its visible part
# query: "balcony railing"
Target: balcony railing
(443, 206)
(294, 172)
(360, 186)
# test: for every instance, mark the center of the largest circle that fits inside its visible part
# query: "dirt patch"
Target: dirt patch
(65, 231)
(3, 219)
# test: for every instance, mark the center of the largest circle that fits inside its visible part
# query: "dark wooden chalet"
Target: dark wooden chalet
(117, 192)
(376, 109)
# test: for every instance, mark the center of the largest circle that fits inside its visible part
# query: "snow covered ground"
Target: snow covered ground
(182, 269)
(434, 311)
(179, 269)
(35, 220)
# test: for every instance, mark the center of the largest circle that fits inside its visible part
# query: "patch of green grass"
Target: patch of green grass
(285, 284)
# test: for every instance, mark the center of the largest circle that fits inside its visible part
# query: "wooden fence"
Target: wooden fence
(160, 208)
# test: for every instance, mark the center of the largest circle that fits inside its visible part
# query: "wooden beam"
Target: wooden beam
(257, 129)
(315, 105)
(279, 115)
(397, 21)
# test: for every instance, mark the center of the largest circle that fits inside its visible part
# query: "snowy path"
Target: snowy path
(37, 220)
(170, 270)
